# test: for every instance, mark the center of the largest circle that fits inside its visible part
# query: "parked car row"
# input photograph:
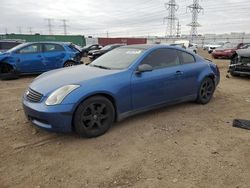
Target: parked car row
(227, 51)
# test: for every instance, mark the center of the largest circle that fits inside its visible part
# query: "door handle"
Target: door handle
(178, 73)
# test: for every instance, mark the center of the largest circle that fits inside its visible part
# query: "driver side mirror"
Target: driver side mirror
(144, 68)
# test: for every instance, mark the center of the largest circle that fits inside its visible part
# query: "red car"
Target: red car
(227, 51)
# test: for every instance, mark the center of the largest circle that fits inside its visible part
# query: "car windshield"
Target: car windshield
(75, 47)
(119, 58)
(107, 47)
(17, 47)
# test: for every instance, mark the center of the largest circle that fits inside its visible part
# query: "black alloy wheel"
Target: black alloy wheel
(94, 117)
(206, 91)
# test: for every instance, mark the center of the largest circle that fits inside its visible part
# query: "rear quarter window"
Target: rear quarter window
(186, 58)
(53, 48)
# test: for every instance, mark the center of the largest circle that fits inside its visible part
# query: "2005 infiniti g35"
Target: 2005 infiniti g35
(123, 82)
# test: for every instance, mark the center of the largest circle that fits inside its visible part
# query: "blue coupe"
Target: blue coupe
(38, 57)
(121, 83)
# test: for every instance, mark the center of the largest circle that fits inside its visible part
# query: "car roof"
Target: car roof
(50, 42)
(147, 46)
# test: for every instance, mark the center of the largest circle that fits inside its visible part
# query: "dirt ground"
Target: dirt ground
(186, 145)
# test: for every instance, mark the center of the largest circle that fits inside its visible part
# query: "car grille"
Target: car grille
(33, 96)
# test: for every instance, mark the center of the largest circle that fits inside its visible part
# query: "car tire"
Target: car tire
(8, 73)
(94, 117)
(232, 73)
(206, 91)
(69, 64)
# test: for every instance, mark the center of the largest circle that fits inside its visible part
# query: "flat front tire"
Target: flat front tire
(206, 91)
(94, 117)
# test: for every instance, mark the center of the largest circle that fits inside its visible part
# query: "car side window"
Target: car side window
(161, 58)
(33, 48)
(186, 58)
(53, 48)
(93, 48)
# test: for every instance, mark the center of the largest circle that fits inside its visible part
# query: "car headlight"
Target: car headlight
(58, 95)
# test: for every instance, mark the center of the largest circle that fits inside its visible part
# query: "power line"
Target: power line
(30, 30)
(178, 34)
(64, 26)
(19, 29)
(172, 7)
(49, 20)
(195, 9)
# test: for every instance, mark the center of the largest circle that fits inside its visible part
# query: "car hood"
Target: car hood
(4, 55)
(243, 52)
(55, 79)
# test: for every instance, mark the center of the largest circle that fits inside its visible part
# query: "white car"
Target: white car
(187, 45)
(212, 46)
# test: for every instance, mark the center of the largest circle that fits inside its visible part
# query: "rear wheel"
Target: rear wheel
(94, 117)
(206, 91)
(69, 64)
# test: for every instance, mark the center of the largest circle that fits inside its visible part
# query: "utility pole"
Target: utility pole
(20, 29)
(49, 20)
(195, 9)
(107, 34)
(6, 30)
(64, 26)
(30, 30)
(171, 7)
(178, 34)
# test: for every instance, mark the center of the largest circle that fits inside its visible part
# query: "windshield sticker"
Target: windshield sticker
(133, 52)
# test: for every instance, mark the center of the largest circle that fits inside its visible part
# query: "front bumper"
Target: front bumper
(240, 69)
(56, 118)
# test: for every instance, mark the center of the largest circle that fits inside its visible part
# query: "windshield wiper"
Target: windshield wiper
(102, 67)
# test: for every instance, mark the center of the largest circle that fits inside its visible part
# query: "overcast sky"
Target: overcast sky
(120, 17)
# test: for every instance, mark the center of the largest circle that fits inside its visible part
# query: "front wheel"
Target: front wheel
(94, 117)
(206, 91)
(234, 74)
(7, 72)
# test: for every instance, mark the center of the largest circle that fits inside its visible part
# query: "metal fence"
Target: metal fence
(76, 39)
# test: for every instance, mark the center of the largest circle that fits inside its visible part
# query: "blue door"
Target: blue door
(161, 85)
(54, 55)
(29, 59)
(191, 71)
